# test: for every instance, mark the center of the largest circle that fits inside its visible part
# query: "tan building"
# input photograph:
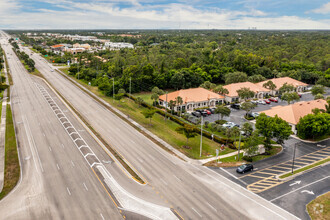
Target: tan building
(279, 82)
(192, 98)
(232, 96)
(293, 113)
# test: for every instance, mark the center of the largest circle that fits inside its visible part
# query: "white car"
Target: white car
(261, 102)
(229, 124)
(255, 114)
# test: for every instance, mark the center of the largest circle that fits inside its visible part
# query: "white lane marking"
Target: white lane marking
(133, 141)
(233, 176)
(44, 134)
(196, 212)
(72, 163)
(212, 207)
(101, 216)
(62, 145)
(140, 160)
(300, 188)
(50, 149)
(163, 181)
(85, 186)
(68, 191)
(151, 157)
(177, 178)
(58, 167)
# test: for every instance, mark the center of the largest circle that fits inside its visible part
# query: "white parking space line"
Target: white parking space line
(101, 216)
(212, 207)
(72, 163)
(85, 186)
(62, 145)
(68, 191)
(50, 149)
(177, 178)
(58, 167)
(196, 212)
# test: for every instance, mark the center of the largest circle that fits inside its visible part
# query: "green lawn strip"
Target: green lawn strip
(146, 96)
(12, 168)
(306, 168)
(165, 131)
(231, 162)
(319, 208)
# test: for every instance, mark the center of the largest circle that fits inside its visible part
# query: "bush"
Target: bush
(248, 118)
(220, 122)
(220, 128)
(206, 123)
(247, 158)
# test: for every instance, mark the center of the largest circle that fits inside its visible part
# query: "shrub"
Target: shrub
(220, 122)
(247, 158)
(206, 123)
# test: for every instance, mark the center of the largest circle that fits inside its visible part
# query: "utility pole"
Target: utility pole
(165, 106)
(294, 154)
(201, 144)
(239, 144)
(130, 86)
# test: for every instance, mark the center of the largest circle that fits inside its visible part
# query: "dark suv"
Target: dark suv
(244, 168)
(235, 106)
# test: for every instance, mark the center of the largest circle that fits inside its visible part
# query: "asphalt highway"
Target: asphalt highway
(56, 182)
(194, 192)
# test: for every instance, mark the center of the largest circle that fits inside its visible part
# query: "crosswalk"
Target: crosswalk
(265, 179)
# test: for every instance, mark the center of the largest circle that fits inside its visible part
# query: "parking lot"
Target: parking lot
(237, 116)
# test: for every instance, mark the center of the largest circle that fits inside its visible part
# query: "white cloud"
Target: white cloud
(324, 9)
(102, 15)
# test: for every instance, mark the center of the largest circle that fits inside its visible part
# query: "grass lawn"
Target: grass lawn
(146, 96)
(232, 162)
(319, 208)
(306, 168)
(12, 168)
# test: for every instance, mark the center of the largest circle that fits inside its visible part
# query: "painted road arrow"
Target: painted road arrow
(297, 182)
(309, 192)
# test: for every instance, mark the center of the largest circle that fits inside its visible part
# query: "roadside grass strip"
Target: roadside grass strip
(319, 208)
(12, 166)
(306, 168)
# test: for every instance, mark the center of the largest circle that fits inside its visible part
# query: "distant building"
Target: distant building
(57, 47)
(192, 98)
(75, 50)
(232, 96)
(117, 46)
(293, 113)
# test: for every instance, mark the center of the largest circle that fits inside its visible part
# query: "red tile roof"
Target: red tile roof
(191, 95)
(279, 82)
(232, 88)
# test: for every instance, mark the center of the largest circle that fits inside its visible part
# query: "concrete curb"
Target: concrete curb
(306, 141)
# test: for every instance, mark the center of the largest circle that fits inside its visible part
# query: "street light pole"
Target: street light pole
(165, 107)
(294, 154)
(201, 144)
(113, 88)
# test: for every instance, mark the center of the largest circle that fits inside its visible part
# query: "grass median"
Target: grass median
(306, 168)
(12, 167)
(319, 208)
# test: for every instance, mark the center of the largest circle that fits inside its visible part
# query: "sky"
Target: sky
(162, 14)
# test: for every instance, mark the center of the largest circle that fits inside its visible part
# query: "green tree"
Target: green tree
(235, 133)
(318, 89)
(155, 98)
(207, 85)
(272, 128)
(121, 91)
(290, 96)
(139, 101)
(235, 77)
(220, 89)
(319, 96)
(251, 144)
(247, 106)
(313, 126)
(286, 88)
(222, 111)
(245, 93)
(171, 104)
(148, 113)
(256, 78)
(247, 128)
(179, 101)
(188, 131)
(269, 85)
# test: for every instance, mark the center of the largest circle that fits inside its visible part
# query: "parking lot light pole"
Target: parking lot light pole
(201, 144)
(294, 154)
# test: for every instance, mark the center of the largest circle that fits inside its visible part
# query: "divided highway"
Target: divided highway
(195, 192)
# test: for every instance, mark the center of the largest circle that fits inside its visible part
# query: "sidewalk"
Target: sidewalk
(3, 132)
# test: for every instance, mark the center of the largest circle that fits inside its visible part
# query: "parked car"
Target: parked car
(235, 106)
(267, 101)
(230, 125)
(255, 114)
(212, 110)
(196, 114)
(262, 102)
(254, 102)
(244, 168)
(204, 113)
(208, 112)
(273, 99)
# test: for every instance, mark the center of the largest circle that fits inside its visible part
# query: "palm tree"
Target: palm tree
(171, 104)
(179, 101)
(269, 85)
(221, 90)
